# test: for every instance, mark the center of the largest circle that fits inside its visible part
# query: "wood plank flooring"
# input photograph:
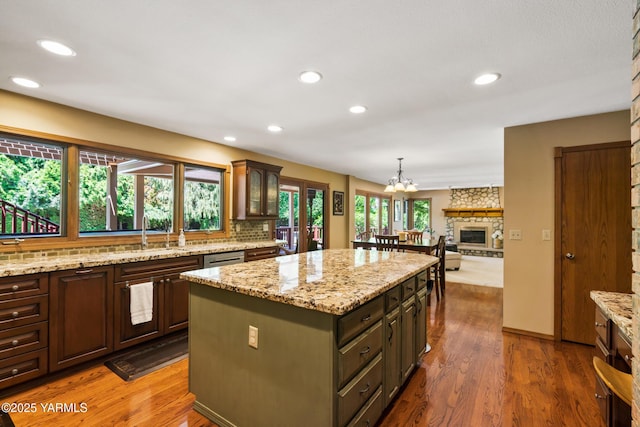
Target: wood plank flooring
(475, 375)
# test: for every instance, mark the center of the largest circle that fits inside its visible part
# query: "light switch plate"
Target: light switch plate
(515, 234)
(546, 234)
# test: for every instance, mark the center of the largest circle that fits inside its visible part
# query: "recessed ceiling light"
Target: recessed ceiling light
(56, 47)
(21, 81)
(230, 138)
(310, 77)
(358, 109)
(274, 128)
(485, 79)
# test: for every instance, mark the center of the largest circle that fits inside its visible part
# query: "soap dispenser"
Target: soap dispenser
(181, 239)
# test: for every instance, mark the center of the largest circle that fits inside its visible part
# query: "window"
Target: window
(203, 207)
(419, 214)
(31, 190)
(372, 214)
(117, 191)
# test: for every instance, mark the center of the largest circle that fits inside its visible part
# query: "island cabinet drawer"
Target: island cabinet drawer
(408, 288)
(23, 311)
(601, 351)
(23, 339)
(421, 280)
(359, 390)
(23, 286)
(603, 399)
(623, 348)
(603, 327)
(261, 253)
(353, 356)
(18, 369)
(369, 414)
(358, 320)
(156, 268)
(392, 299)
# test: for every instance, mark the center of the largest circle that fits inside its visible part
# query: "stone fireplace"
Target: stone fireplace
(474, 214)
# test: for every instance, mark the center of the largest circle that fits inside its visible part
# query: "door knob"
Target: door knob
(569, 255)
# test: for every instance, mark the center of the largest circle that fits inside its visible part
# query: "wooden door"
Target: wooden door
(594, 251)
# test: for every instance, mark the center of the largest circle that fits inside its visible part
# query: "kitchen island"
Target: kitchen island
(323, 338)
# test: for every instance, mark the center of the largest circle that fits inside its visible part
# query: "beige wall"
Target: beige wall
(528, 303)
(21, 112)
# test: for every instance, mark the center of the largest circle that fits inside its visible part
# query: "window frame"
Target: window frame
(69, 224)
(381, 196)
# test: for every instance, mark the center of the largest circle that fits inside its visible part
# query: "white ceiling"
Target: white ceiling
(210, 68)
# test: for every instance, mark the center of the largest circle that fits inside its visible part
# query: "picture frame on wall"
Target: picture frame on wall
(338, 202)
(397, 210)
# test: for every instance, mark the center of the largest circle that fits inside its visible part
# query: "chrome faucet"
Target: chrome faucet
(144, 232)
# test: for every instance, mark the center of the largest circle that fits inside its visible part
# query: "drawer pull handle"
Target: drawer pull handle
(627, 358)
(366, 389)
(15, 287)
(15, 314)
(394, 299)
(14, 343)
(87, 271)
(599, 325)
(390, 332)
(366, 318)
(167, 280)
(599, 396)
(14, 371)
(365, 350)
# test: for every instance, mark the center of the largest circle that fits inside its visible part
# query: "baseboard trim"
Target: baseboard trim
(528, 333)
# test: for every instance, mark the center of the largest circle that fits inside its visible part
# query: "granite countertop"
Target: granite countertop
(618, 307)
(47, 264)
(333, 281)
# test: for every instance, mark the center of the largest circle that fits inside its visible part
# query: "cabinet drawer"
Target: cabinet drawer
(354, 395)
(22, 368)
(603, 327)
(421, 280)
(261, 253)
(392, 299)
(603, 399)
(23, 311)
(353, 356)
(23, 286)
(23, 339)
(408, 288)
(623, 348)
(369, 414)
(156, 268)
(358, 320)
(601, 351)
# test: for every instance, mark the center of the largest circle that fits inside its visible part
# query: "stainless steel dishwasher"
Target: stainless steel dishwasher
(223, 258)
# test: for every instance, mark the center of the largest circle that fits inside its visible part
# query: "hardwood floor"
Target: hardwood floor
(475, 375)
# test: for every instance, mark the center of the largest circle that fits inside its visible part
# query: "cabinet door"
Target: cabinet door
(81, 316)
(421, 323)
(391, 349)
(254, 193)
(408, 322)
(272, 193)
(176, 303)
(126, 334)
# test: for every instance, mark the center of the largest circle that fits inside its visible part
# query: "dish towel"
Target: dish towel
(141, 302)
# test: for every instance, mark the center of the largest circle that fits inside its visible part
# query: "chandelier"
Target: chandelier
(399, 182)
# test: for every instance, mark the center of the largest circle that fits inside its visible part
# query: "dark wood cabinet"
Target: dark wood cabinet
(256, 187)
(24, 328)
(261, 253)
(170, 298)
(614, 349)
(81, 321)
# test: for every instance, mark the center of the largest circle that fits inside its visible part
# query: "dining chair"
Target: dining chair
(387, 242)
(415, 236)
(439, 268)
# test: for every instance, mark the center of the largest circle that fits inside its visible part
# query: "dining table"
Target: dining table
(427, 246)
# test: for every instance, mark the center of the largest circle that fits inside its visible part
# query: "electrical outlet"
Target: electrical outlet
(546, 234)
(265, 227)
(253, 337)
(515, 234)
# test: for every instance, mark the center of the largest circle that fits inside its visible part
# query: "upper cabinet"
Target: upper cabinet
(255, 190)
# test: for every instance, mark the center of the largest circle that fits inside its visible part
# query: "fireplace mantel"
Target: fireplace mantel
(473, 212)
